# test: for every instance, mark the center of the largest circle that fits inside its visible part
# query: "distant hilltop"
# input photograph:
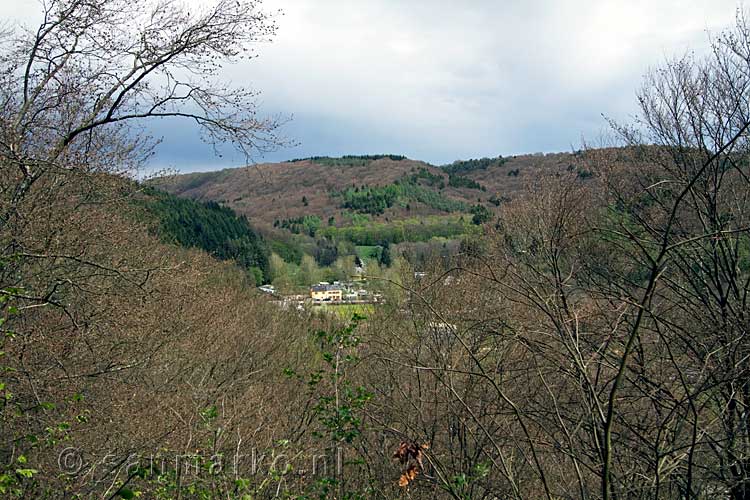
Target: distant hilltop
(382, 187)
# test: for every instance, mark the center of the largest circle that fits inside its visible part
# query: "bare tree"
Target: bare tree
(685, 216)
(94, 68)
(601, 338)
(77, 274)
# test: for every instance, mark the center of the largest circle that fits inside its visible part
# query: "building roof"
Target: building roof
(325, 288)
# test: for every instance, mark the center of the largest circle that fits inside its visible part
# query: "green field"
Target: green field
(346, 311)
(368, 252)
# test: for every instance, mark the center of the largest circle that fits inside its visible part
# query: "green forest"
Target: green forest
(464, 166)
(348, 160)
(220, 232)
(375, 200)
(210, 227)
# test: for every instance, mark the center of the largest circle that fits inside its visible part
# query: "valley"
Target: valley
(320, 217)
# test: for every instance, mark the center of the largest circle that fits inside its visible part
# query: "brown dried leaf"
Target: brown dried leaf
(402, 453)
(408, 476)
(403, 481)
(418, 458)
(408, 451)
(412, 472)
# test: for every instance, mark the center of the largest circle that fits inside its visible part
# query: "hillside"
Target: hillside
(210, 227)
(332, 187)
(319, 215)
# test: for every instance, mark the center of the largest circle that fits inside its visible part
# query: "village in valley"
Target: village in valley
(326, 294)
(357, 291)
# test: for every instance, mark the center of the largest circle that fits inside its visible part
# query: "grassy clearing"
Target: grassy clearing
(346, 311)
(368, 252)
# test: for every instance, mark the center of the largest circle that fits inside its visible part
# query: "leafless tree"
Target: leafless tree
(74, 88)
(77, 273)
(601, 337)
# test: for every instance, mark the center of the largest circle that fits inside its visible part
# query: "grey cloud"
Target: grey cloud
(439, 79)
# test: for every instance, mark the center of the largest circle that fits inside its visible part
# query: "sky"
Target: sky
(440, 80)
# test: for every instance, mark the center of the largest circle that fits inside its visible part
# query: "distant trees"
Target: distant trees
(424, 175)
(212, 227)
(497, 199)
(310, 272)
(385, 254)
(349, 160)
(480, 215)
(306, 224)
(372, 200)
(375, 200)
(459, 181)
(464, 166)
(400, 231)
(288, 250)
(326, 252)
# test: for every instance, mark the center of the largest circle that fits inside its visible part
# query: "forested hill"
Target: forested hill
(332, 211)
(382, 187)
(210, 227)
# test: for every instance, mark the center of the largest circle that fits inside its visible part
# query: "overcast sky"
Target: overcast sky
(439, 80)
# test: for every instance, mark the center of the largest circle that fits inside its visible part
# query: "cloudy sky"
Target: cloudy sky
(440, 80)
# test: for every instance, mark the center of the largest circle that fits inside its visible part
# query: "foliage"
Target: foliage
(376, 199)
(368, 252)
(348, 160)
(358, 219)
(326, 251)
(465, 166)
(385, 255)
(307, 224)
(288, 250)
(209, 226)
(370, 200)
(458, 181)
(338, 404)
(497, 199)
(481, 214)
(400, 231)
(424, 175)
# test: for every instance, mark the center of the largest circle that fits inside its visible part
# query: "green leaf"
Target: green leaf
(126, 494)
(27, 473)
(210, 413)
